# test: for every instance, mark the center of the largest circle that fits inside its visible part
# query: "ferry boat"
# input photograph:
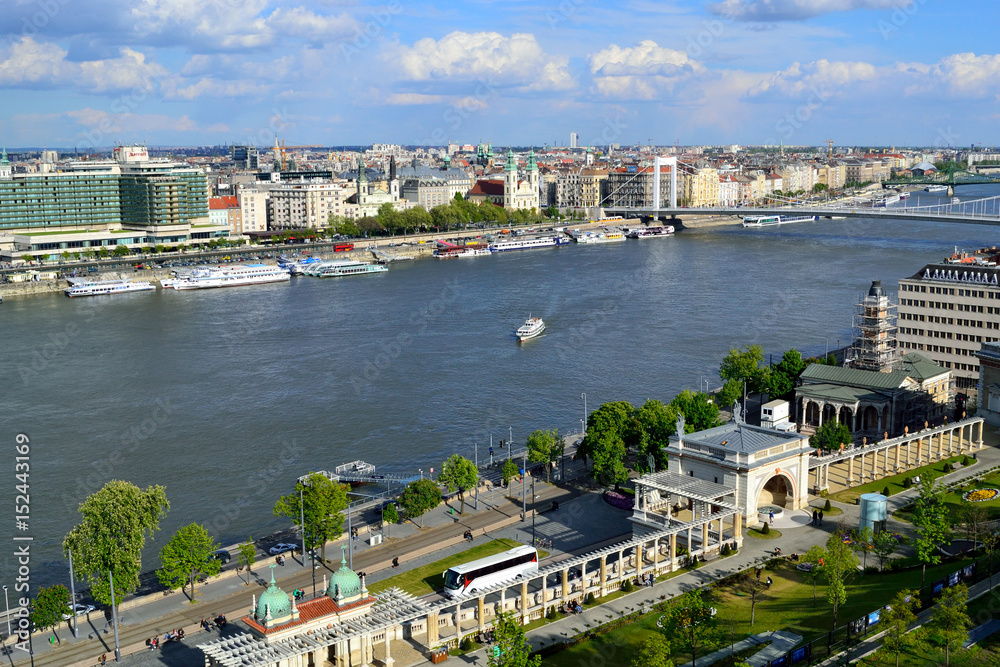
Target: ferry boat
(447, 250)
(956, 200)
(227, 276)
(937, 189)
(296, 268)
(527, 243)
(340, 268)
(904, 195)
(100, 288)
(771, 220)
(533, 326)
(887, 200)
(651, 232)
(603, 236)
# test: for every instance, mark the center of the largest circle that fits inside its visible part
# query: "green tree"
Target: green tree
(389, 218)
(754, 586)
(654, 651)
(508, 471)
(884, 545)
(510, 648)
(323, 504)
(815, 556)
(744, 366)
(121, 251)
(698, 409)
(930, 518)
(187, 556)
(951, 619)
(616, 420)
(66, 255)
(691, 623)
(898, 619)
(782, 378)
(830, 436)
(248, 556)
(608, 455)
(389, 516)
(420, 496)
(820, 187)
(839, 565)
(459, 473)
(104, 253)
(731, 392)
(545, 447)
(862, 543)
(49, 606)
(116, 520)
(656, 422)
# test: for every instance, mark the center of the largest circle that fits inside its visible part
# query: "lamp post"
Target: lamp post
(477, 475)
(510, 439)
(6, 602)
(350, 536)
(114, 617)
(584, 396)
(72, 591)
(524, 494)
(583, 427)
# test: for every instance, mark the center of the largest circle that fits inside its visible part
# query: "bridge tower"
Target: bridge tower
(672, 163)
(874, 347)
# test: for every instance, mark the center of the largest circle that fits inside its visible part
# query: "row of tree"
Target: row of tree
(744, 371)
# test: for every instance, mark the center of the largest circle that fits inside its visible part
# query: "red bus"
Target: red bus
(343, 247)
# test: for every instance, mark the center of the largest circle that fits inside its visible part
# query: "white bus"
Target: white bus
(487, 572)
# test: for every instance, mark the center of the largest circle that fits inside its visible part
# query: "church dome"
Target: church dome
(345, 581)
(274, 600)
(876, 289)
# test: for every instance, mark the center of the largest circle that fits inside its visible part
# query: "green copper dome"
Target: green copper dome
(511, 162)
(274, 600)
(345, 581)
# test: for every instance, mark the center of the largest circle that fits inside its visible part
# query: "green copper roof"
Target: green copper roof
(274, 600)
(511, 163)
(532, 164)
(362, 174)
(3, 160)
(344, 581)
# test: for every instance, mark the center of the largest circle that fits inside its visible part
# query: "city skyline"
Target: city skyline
(737, 71)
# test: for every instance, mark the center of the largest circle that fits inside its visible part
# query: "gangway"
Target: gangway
(385, 257)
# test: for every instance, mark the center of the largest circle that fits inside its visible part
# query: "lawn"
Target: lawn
(786, 605)
(953, 500)
(427, 579)
(895, 482)
(772, 533)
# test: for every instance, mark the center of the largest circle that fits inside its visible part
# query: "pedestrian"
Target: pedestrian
(770, 517)
(149, 643)
(205, 624)
(395, 561)
(821, 517)
(104, 659)
(815, 517)
(281, 561)
(491, 451)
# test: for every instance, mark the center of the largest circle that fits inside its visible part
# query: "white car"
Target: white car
(282, 547)
(81, 610)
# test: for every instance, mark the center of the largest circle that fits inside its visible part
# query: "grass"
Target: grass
(953, 501)
(833, 511)
(772, 533)
(427, 578)
(895, 482)
(71, 231)
(786, 605)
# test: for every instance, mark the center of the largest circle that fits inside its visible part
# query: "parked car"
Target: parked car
(282, 547)
(222, 556)
(81, 610)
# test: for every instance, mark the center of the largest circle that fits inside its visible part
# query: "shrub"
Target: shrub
(466, 644)
(619, 500)
(966, 461)
(948, 467)
(551, 613)
(824, 493)
(907, 482)
(885, 491)
(827, 506)
(765, 529)
(589, 599)
(627, 586)
(725, 550)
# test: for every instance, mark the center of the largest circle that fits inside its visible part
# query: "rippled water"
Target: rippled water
(226, 396)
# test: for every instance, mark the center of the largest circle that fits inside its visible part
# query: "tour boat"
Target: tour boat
(651, 232)
(771, 220)
(603, 236)
(936, 189)
(101, 288)
(533, 326)
(527, 243)
(343, 268)
(226, 276)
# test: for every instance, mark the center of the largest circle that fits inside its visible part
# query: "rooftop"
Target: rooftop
(738, 437)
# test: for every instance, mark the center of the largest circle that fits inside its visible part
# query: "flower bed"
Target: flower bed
(619, 500)
(981, 495)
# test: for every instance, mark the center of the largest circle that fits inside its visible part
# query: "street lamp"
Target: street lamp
(7, 603)
(583, 427)
(584, 396)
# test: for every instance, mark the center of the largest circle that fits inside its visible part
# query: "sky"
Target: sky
(92, 73)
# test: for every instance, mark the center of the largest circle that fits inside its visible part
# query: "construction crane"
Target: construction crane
(830, 142)
(283, 148)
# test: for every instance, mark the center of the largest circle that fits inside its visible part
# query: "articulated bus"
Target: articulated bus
(487, 572)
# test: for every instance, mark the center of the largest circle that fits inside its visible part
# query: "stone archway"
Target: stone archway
(870, 419)
(776, 491)
(812, 413)
(829, 413)
(846, 417)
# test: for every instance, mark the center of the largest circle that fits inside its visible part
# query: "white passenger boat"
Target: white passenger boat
(937, 189)
(105, 287)
(526, 243)
(533, 326)
(603, 236)
(771, 220)
(336, 269)
(226, 276)
(651, 232)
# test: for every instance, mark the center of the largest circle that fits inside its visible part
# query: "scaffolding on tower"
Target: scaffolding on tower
(875, 328)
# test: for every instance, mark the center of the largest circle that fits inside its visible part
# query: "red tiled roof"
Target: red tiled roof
(489, 188)
(221, 203)
(309, 611)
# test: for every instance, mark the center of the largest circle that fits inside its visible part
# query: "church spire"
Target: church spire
(392, 167)
(511, 162)
(3, 159)
(362, 173)
(532, 163)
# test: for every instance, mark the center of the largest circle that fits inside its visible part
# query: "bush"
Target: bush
(885, 491)
(827, 506)
(966, 461)
(824, 493)
(467, 644)
(551, 613)
(907, 482)
(765, 529)
(627, 586)
(725, 550)
(589, 599)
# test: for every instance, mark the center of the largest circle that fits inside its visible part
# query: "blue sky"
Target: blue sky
(189, 72)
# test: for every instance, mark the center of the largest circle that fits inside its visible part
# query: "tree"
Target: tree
(388, 217)
(66, 255)
(611, 429)
(784, 374)
(121, 251)
(951, 619)
(830, 436)
(420, 496)
(323, 505)
(390, 516)
(545, 447)
(754, 587)
(839, 565)
(897, 624)
(731, 392)
(744, 366)
(248, 556)
(699, 411)
(49, 606)
(508, 471)
(816, 555)
(459, 473)
(861, 542)
(656, 422)
(187, 556)
(820, 187)
(110, 538)
(510, 648)
(609, 460)
(691, 622)
(654, 651)
(103, 253)
(884, 545)
(972, 517)
(930, 518)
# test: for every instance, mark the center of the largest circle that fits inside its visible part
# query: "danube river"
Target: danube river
(226, 396)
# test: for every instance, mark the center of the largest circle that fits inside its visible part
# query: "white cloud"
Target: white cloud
(413, 98)
(821, 76)
(967, 73)
(211, 87)
(644, 71)
(33, 64)
(795, 10)
(489, 57)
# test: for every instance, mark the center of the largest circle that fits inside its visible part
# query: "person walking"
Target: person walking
(821, 517)
(770, 517)
(815, 517)
(395, 561)
(104, 659)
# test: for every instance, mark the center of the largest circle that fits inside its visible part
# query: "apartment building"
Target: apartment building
(946, 312)
(307, 205)
(253, 209)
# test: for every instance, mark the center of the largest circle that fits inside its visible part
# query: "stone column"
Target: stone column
(365, 641)
(603, 575)
(704, 537)
(565, 585)
(545, 601)
(458, 622)
(388, 656)
(481, 612)
(673, 551)
(524, 603)
(862, 468)
(621, 568)
(640, 557)
(656, 556)
(432, 631)
(898, 447)
(850, 469)
(690, 543)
